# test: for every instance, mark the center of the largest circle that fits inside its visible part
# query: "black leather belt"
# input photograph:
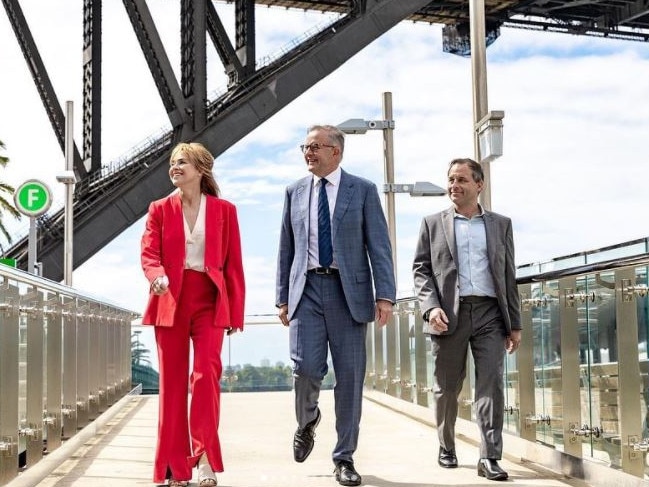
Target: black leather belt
(325, 271)
(476, 299)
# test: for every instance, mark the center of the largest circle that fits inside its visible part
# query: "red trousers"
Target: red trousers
(186, 432)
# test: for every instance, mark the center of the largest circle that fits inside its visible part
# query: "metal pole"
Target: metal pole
(31, 247)
(69, 193)
(480, 109)
(479, 78)
(388, 153)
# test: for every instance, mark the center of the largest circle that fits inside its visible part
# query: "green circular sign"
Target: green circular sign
(33, 198)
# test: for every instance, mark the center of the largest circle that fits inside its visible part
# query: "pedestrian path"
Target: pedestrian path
(256, 434)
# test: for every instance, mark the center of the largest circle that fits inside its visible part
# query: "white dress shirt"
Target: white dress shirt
(333, 183)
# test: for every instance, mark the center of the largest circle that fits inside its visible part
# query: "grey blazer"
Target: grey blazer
(361, 246)
(436, 275)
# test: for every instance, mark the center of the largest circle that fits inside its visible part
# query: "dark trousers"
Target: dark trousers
(480, 326)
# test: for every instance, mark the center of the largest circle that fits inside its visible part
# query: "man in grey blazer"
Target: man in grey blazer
(465, 280)
(334, 255)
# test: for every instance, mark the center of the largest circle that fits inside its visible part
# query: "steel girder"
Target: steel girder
(41, 79)
(107, 204)
(105, 207)
(92, 85)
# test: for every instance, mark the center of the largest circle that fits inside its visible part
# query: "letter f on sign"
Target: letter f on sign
(32, 197)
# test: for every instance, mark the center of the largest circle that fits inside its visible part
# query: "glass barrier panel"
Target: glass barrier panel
(512, 394)
(563, 263)
(617, 252)
(547, 360)
(429, 385)
(404, 321)
(598, 363)
(528, 270)
(642, 302)
(412, 330)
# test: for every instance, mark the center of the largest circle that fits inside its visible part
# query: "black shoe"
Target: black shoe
(303, 439)
(488, 467)
(447, 458)
(346, 474)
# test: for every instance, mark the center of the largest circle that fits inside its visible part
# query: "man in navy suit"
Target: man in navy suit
(334, 275)
(465, 280)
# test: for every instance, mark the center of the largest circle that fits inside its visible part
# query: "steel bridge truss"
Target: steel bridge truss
(109, 198)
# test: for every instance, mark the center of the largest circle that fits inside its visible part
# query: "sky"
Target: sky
(572, 176)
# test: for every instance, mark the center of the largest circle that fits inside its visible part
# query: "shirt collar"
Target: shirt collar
(479, 215)
(333, 177)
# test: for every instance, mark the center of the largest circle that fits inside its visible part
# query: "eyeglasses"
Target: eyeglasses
(314, 147)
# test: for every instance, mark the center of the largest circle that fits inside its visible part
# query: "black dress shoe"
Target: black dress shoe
(447, 458)
(488, 467)
(303, 439)
(346, 474)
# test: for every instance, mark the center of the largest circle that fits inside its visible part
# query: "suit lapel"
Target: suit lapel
(213, 229)
(343, 199)
(303, 197)
(176, 205)
(176, 222)
(490, 233)
(449, 231)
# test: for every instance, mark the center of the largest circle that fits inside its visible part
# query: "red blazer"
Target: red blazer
(163, 253)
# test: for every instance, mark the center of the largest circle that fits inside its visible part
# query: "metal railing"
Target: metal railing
(579, 383)
(65, 357)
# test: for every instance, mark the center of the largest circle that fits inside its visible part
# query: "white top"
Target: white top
(195, 240)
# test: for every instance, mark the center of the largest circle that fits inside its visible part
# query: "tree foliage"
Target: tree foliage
(237, 378)
(248, 378)
(6, 196)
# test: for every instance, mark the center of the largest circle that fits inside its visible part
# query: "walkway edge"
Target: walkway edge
(517, 449)
(44, 467)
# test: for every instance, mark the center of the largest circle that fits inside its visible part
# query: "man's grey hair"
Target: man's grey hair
(336, 136)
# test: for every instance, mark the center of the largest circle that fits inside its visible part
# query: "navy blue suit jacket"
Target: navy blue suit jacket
(361, 246)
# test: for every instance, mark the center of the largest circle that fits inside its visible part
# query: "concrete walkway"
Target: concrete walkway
(256, 435)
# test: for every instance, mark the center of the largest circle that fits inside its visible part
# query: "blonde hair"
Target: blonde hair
(202, 160)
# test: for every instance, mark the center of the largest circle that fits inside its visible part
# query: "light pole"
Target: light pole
(68, 178)
(486, 125)
(360, 126)
(487, 135)
(376, 339)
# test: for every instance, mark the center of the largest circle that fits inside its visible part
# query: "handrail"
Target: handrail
(612, 264)
(65, 358)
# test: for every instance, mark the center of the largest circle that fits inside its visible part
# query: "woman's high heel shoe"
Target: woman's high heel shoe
(206, 477)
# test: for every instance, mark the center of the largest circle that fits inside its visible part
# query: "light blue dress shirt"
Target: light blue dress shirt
(473, 262)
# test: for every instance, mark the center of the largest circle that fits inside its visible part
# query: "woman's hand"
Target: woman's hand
(160, 285)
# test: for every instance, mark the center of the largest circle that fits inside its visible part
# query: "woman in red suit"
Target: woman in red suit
(191, 255)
